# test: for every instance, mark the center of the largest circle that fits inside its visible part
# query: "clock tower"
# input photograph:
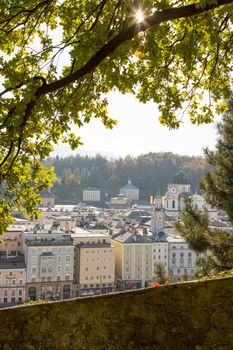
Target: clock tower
(157, 216)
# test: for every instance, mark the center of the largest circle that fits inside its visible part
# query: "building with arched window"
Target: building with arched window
(176, 192)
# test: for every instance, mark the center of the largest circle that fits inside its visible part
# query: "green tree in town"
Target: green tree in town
(160, 274)
(59, 59)
(195, 226)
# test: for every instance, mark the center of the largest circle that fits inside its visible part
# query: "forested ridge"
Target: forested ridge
(146, 172)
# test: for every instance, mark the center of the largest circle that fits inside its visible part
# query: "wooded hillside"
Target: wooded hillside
(145, 171)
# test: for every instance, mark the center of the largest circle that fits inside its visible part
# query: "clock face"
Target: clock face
(160, 218)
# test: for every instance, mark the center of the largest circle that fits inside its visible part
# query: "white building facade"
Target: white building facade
(50, 262)
(182, 260)
(91, 195)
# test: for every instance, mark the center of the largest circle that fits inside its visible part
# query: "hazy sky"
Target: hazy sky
(139, 132)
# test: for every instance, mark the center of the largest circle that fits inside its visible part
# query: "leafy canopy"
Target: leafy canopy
(59, 59)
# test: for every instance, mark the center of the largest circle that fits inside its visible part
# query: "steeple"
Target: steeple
(157, 215)
(158, 198)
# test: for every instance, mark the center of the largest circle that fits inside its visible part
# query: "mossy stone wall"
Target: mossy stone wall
(193, 315)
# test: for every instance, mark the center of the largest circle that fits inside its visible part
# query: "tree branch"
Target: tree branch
(124, 35)
(127, 34)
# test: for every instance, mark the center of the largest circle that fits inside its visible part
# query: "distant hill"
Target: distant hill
(64, 151)
(146, 172)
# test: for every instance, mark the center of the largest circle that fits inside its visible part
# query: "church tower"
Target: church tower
(157, 216)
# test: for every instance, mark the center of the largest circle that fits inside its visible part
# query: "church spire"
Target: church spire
(158, 198)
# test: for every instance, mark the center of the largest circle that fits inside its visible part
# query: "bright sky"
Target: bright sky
(139, 132)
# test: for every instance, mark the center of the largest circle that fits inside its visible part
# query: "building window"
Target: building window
(20, 292)
(67, 267)
(58, 278)
(59, 258)
(58, 268)
(49, 279)
(13, 281)
(173, 204)
(43, 269)
(67, 277)
(33, 269)
(5, 300)
(5, 293)
(86, 268)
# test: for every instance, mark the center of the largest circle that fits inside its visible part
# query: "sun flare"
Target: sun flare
(139, 16)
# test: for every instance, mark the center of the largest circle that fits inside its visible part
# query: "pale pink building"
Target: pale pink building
(10, 245)
(12, 281)
(94, 267)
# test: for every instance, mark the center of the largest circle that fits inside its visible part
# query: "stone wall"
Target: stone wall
(193, 315)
